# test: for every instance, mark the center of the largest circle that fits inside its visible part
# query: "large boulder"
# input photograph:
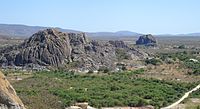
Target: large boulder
(8, 96)
(48, 47)
(148, 40)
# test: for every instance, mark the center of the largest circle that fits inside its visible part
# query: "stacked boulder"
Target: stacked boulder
(147, 40)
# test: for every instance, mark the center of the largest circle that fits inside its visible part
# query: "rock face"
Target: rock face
(73, 50)
(48, 47)
(8, 97)
(148, 40)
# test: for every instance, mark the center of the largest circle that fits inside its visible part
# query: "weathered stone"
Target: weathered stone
(148, 40)
(77, 38)
(53, 48)
(48, 47)
(8, 96)
(118, 44)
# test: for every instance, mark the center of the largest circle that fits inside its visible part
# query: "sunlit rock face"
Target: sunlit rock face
(8, 96)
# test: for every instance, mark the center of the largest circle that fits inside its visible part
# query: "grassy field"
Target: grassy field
(58, 89)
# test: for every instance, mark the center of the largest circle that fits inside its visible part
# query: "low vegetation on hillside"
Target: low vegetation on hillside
(187, 59)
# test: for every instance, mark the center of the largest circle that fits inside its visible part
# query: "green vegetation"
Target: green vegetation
(181, 47)
(196, 94)
(184, 57)
(116, 89)
(195, 72)
(153, 61)
(104, 69)
(121, 54)
(73, 64)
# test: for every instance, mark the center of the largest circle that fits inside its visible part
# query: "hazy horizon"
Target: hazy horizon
(141, 16)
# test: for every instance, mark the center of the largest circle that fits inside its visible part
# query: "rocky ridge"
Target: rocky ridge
(8, 96)
(72, 50)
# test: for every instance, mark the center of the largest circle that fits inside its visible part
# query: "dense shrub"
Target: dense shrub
(121, 54)
(104, 69)
(117, 89)
(153, 61)
(181, 47)
(184, 57)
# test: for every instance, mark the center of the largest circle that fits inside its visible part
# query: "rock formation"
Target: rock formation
(148, 40)
(73, 50)
(8, 97)
(48, 47)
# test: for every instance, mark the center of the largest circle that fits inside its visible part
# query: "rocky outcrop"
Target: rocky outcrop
(77, 38)
(73, 50)
(8, 97)
(48, 47)
(148, 40)
(118, 44)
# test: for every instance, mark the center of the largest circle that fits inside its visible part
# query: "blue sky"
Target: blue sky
(143, 16)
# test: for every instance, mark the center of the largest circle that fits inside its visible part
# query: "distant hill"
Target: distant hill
(179, 35)
(4, 37)
(189, 34)
(24, 31)
(116, 34)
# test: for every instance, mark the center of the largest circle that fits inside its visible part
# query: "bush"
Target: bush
(153, 61)
(104, 69)
(90, 71)
(124, 68)
(181, 47)
(196, 72)
(122, 54)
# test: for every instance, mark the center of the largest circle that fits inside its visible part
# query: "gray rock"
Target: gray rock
(148, 40)
(118, 44)
(48, 47)
(72, 50)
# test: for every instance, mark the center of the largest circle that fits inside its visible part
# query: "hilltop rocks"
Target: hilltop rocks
(77, 38)
(72, 50)
(118, 44)
(148, 40)
(48, 47)
(8, 97)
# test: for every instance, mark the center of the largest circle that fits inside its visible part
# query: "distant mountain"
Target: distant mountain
(189, 34)
(179, 35)
(116, 34)
(24, 31)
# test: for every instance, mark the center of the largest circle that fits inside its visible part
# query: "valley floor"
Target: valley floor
(59, 89)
